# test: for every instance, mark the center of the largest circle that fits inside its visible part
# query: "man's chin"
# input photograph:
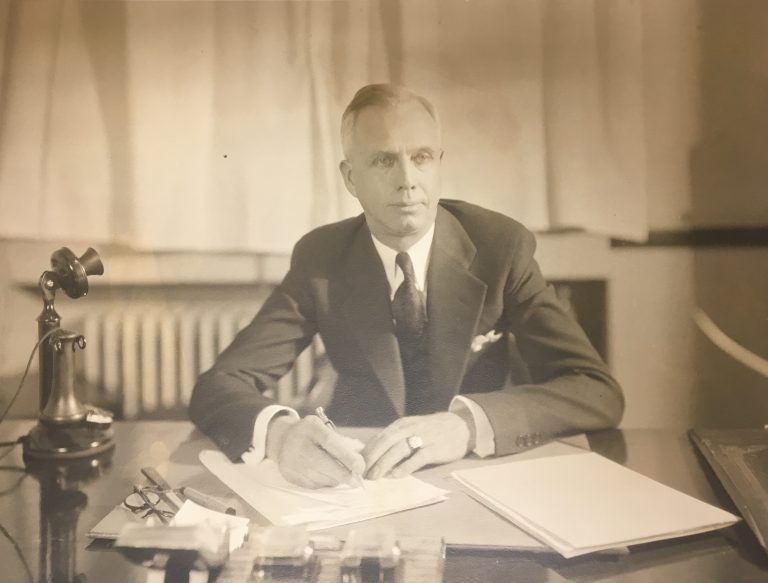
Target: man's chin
(405, 226)
(412, 229)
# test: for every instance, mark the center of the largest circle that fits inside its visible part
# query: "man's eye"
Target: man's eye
(421, 158)
(383, 161)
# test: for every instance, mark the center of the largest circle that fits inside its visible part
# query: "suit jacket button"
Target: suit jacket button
(223, 440)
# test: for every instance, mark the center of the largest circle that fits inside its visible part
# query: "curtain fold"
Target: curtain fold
(594, 117)
(214, 125)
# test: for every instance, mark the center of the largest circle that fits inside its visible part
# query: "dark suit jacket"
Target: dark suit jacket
(481, 277)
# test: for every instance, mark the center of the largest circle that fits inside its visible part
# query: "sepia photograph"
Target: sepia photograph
(383, 291)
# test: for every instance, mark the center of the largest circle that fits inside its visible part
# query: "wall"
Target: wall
(707, 127)
(732, 288)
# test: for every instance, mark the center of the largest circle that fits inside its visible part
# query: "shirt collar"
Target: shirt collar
(419, 254)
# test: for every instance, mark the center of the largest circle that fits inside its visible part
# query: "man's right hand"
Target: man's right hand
(312, 455)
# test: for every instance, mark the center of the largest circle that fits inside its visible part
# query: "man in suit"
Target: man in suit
(419, 302)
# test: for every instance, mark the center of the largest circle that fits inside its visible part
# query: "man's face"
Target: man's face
(393, 169)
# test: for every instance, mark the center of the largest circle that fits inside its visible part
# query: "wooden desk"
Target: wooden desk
(49, 519)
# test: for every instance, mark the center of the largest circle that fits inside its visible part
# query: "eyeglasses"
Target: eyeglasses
(146, 499)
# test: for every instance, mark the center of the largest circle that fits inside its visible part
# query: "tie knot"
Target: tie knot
(404, 262)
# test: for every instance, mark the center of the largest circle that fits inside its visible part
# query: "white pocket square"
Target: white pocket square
(479, 341)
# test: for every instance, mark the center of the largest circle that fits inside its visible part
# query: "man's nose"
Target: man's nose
(406, 176)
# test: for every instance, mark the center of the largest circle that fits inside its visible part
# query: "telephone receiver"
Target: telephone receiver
(67, 428)
(72, 272)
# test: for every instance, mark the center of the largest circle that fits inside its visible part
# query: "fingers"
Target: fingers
(445, 437)
(385, 439)
(354, 444)
(313, 456)
(339, 448)
(318, 461)
(309, 478)
(385, 450)
(417, 461)
(399, 451)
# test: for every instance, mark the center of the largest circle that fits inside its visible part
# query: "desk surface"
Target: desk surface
(48, 519)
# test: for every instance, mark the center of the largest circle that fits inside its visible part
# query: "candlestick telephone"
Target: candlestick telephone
(66, 428)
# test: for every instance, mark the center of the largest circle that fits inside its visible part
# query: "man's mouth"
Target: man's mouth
(406, 205)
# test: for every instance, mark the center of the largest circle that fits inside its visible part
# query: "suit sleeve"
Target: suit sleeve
(227, 398)
(571, 389)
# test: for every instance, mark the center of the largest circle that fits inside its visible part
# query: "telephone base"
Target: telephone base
(66, 441)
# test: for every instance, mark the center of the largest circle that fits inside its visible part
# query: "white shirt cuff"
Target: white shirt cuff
(485, 440)
(258, 450)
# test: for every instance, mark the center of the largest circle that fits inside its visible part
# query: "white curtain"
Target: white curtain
(214, 125)
(542, 105)
(179, 125)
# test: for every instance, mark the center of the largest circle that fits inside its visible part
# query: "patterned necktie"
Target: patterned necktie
(408, 305)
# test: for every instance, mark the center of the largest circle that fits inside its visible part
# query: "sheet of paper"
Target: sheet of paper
(584, 503)
(282, 503)
(191, 514)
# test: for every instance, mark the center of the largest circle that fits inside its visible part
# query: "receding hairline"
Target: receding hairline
(380, 95)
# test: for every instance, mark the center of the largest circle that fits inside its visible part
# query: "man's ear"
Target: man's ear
(346, 173)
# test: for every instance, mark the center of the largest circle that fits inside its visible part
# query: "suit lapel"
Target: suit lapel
(368, 314)
(455, 299)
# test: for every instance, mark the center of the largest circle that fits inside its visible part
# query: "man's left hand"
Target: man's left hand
(445, 437)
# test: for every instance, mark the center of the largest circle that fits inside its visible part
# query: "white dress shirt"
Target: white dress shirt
(419, 254)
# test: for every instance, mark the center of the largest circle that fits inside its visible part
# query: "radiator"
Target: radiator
(144, 359)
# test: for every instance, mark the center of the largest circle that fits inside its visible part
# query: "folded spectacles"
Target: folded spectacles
(147, 499)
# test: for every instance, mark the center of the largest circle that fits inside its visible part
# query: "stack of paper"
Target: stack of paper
(582, 503)
(283, 503)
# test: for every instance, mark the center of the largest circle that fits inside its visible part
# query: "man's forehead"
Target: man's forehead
(404, 124)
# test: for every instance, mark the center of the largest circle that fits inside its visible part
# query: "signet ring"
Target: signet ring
(414, 442)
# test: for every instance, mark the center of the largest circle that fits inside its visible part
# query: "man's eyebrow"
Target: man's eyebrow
(380, 153)
(391, 153)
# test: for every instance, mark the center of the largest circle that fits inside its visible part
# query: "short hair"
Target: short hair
(379, 95)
